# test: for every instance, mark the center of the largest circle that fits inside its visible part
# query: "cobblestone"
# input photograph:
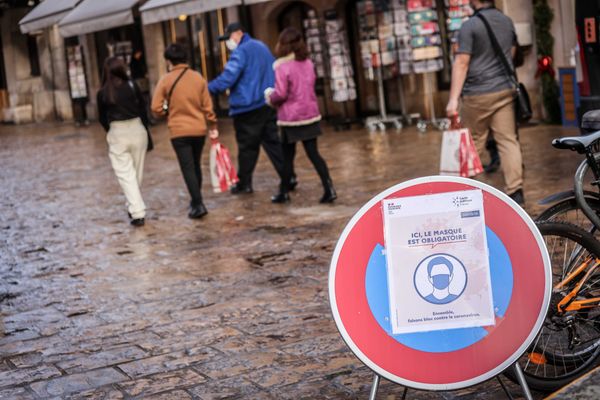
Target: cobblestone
(233, 306)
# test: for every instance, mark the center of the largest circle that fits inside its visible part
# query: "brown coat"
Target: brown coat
(191, 109)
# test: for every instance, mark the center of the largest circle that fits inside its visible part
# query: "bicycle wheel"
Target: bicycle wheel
(568, 211)
(569, 342)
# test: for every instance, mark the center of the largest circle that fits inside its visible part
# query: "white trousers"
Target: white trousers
(127, 144)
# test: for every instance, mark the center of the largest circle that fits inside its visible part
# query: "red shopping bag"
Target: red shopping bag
(459, 156)
(222, 171)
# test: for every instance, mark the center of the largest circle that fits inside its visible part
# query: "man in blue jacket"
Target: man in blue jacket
(247, 74)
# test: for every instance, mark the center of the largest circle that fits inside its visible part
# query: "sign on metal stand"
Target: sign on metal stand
(439, 284)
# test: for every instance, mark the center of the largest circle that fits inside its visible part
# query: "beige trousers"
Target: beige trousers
(495, 113)
(127, 143)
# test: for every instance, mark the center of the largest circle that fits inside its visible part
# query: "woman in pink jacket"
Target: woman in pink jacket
(298, 114)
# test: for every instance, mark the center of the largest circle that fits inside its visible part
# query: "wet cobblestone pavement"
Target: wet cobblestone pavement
(232, 306)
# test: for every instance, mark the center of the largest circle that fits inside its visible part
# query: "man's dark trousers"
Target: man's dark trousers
(253, 129)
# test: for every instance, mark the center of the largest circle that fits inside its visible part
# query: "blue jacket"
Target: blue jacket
(247, 74)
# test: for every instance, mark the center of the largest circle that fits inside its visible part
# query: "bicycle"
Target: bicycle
(579, 206)
(569, 342)
(568, 345)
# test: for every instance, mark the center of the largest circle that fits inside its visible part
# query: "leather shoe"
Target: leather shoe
(197, 212)
(137, 222)
(280, 198)
(241, 189)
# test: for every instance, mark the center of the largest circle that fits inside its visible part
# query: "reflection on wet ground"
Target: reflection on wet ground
(232, 306)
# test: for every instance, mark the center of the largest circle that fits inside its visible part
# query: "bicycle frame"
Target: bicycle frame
(591, 162)
(569, 302)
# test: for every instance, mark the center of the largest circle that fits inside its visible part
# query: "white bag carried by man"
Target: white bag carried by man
(459, 155)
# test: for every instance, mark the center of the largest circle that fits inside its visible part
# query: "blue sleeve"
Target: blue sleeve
(229, 77)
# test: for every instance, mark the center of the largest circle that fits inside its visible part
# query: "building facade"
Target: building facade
(54, 72)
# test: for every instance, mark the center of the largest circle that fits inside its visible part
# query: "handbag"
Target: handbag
(167, 101)
(523, 111)
(139, 101)
(459, 156)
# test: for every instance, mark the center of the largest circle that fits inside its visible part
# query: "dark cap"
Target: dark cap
(233, 27)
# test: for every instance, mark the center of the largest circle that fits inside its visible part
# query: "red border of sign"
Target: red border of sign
(506, 342)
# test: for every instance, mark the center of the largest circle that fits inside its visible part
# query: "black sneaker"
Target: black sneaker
(197, 212)
(137, 222)
(241, 189)
(518, 197)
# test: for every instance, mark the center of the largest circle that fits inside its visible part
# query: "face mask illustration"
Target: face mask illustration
(441, 282)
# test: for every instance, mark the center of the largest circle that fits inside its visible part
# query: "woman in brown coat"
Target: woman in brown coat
(182, 95)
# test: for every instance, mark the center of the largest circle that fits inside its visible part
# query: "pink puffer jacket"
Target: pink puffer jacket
(294, 94)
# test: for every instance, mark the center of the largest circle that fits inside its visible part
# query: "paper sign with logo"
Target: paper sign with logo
(437, 261)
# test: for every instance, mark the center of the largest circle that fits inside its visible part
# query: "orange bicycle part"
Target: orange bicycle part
(568, 303)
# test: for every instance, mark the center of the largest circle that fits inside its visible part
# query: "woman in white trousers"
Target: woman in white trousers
(122, 113)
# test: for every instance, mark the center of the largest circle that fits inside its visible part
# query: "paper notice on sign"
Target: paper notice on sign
(437, 261)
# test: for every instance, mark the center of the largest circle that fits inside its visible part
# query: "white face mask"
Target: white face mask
(231, 44)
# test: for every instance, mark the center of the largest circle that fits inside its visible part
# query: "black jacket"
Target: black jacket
(129, 104)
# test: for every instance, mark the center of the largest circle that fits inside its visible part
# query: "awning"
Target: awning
(250, 2)
(97, 15)
(46, 14)
(163, 10)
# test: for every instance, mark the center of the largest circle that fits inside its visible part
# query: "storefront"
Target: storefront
(93, 31)
(409, 42)
(195, 25)
(43, 88)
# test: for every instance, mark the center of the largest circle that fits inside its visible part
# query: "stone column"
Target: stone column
(92, 72)
(53, 102)
(154, 50)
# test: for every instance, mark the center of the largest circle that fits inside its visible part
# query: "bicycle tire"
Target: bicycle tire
(568, 211)
(546, 365)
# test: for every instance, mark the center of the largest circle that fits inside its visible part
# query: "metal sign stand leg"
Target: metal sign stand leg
(522, 381)
(374, 387)
(508, 395)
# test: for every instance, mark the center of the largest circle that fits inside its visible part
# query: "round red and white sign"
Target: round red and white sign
(449, 359)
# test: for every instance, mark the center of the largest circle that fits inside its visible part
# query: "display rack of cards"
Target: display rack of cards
(340, 68)
(428, 53)
(426, 41)
(76, 72)
(379, 23)
(313, 36)
(457, 12)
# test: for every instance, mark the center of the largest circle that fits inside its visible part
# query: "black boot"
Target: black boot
(280, 198)
(197, 212)
(330, 195)
(293, 183)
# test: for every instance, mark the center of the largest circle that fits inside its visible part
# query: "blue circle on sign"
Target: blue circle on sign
(440, 279)
(449, 340)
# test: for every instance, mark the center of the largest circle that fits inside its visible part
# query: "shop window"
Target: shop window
(293, 15)
(199, 34)
(34, 58)
(121, 42)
